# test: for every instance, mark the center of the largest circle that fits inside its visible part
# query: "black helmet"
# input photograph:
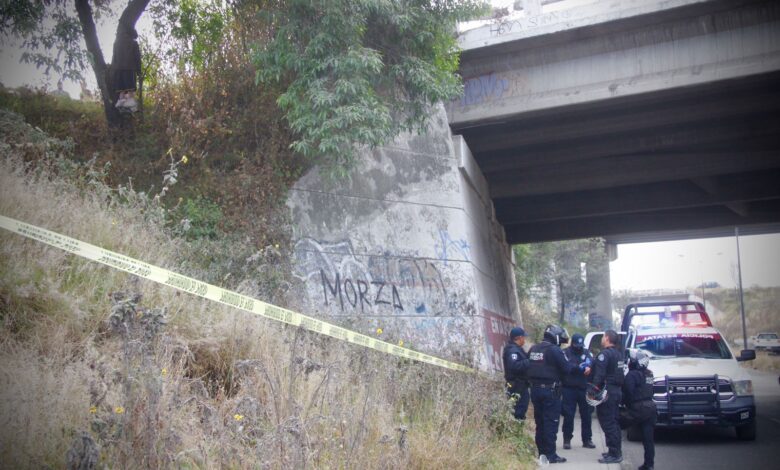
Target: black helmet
(556, 335)
(577, 341)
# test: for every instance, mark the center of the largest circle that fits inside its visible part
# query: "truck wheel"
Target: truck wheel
(747, 432)
(634, 434)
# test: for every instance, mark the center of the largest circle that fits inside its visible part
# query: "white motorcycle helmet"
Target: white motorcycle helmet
(595, 396)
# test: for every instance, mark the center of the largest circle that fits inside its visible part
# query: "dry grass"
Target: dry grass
(209, 387)
(764, 362)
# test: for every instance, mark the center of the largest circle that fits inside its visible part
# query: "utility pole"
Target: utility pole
(741, 297)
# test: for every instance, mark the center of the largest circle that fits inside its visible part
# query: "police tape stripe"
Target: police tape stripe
(217, 294)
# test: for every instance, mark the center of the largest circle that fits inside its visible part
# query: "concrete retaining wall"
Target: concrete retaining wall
(409, 243)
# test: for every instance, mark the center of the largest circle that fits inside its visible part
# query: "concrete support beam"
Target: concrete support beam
(714, 135)
(724, 190)
(614, 226)
(627, 170)
(647, 51)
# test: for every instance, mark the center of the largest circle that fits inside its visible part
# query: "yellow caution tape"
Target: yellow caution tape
(217, 294)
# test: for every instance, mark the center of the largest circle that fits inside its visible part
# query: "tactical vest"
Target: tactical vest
(542, 369)
(614, 370)
(646, 391)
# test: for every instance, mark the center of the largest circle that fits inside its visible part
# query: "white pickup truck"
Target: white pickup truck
(766, 341)
(697, 379)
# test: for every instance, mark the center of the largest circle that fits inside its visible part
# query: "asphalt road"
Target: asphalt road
(718, 448)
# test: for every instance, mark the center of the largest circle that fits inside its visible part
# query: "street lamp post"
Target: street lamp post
(741, 297)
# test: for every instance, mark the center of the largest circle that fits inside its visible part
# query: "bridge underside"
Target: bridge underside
(691, 158)
(627, 118)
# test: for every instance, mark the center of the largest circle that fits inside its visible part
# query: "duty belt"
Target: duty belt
(552, 385)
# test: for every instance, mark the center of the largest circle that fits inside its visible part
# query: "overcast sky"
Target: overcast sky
(686, 263)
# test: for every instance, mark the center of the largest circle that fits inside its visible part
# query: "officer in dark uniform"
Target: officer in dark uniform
(608, 372)
(574, 386)
(640, 408)
(548, 367)
(515, 370)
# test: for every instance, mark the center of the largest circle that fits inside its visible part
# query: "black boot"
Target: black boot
(611, 459)
(556, 459)
(567, 443)
(588, 444)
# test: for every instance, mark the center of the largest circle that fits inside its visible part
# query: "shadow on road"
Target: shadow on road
(683, 437)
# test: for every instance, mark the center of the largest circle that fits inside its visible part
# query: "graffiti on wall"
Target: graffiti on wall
(497, 329)
(485, 88)
(447, 247)
(499, 28)
(378, 285)
(492, 87)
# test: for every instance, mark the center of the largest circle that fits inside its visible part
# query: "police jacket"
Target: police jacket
(638, 386)
(515, 366)
(576, 380)
(608, 368)
(548, 365)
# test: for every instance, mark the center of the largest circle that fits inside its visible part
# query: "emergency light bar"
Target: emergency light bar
(665, 314)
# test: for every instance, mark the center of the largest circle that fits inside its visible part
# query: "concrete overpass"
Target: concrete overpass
(611, 119)
(617, 119)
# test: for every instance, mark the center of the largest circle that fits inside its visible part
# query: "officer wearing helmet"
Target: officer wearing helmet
(515, 369)
(640, 408)
(574, 386)
(608, 376)
(548, 367)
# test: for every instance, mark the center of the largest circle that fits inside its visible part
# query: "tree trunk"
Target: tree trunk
(103, 72)
(562, 312)
(99, 66)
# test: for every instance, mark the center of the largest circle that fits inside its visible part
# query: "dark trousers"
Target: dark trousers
(522, 396)
(572, 398)
(608, 415)
(648, 442)
(547, 413)
(642, 414)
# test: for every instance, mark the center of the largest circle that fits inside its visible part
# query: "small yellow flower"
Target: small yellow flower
(401, 342)
(113, 222)
(164, 372)
(92, 409)
(379, 331)
(119, 410)
(238, 417)
(184, 159)
(276, 246)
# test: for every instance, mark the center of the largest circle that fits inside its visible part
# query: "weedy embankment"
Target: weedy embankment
(97, 366)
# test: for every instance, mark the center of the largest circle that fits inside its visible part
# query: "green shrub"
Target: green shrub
(198, 218)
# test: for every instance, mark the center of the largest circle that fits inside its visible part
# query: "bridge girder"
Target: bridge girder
(696, 155)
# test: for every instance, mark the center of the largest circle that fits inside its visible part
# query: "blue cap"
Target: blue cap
(516, 331)
(577, 340)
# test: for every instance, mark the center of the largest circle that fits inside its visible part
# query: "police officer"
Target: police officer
(547, 368)
(608, 372)
(574, 386)
(515, 370)
(640, 407)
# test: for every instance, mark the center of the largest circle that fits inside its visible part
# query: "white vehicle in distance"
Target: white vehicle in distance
(697, 379)
(767, 341)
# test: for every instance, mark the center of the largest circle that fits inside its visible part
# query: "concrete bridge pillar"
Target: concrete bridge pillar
(408, 243)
